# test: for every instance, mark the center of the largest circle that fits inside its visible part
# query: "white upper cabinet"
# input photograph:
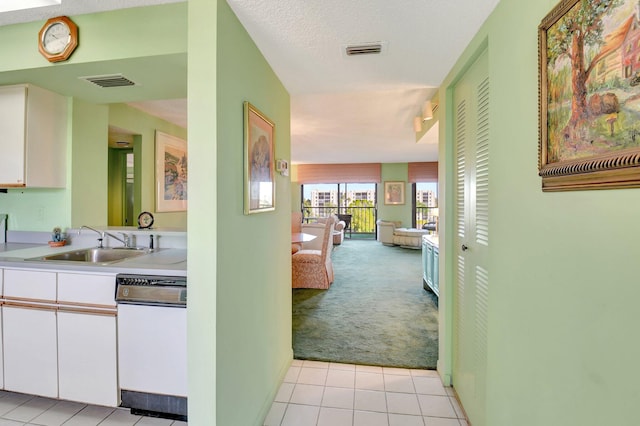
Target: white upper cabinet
(33, 129)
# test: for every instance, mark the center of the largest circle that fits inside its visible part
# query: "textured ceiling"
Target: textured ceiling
(73, 7)
(343, 109)
(360, 109)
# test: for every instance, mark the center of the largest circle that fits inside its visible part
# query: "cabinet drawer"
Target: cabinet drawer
(87, 289)
(32, 285)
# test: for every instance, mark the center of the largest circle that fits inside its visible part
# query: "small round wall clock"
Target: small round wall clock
(145, 220)
(58, 38)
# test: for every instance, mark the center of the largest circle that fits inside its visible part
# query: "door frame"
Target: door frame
(446, 193)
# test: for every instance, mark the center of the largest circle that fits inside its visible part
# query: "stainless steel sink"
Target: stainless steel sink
(94, 255)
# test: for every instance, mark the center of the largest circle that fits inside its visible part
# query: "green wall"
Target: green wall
(128, 118)
(84, 200)
(390, 172)
(36, 209)
(401, 212)
(117, 166)
(202, 214)
(89, 164)
(562, 347)
(254, 254)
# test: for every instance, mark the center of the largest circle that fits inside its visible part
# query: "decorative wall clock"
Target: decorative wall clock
(58, 38)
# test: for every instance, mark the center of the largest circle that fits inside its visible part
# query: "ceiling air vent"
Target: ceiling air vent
(113, 80)
(365, 49)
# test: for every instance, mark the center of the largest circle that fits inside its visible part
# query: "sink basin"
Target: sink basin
(95, 255)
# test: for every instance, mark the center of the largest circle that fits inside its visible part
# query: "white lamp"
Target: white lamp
(417, 124)
(427, 111)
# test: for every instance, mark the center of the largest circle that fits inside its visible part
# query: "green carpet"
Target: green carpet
(376, 311)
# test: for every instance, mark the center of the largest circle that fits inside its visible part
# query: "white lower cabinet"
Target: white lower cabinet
(59, 335)
(87, 358)
(430, 265)
(30, 350)
(1, 361)
(1, 357)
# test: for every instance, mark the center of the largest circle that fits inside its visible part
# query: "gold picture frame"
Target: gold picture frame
(259, 154)
(394, 193)
(171, 173)
(589, 78)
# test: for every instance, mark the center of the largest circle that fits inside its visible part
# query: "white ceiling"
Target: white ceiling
(344, 109)
(73, 7)
(360, 109)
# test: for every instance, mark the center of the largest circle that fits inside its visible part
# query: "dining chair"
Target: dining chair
(313, 268)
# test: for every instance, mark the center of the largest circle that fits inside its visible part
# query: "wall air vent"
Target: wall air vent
(365, 49)
(113, 80)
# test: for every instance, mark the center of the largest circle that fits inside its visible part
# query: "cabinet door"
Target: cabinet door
(1, 361)
(46, 139)
(436, 268)
(13, 101)
(425, 259)
(87, 358)
(30, 351)
(430, 265)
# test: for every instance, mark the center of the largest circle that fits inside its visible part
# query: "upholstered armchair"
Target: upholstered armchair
(296, 227)
(317, 229)
(338, 232)
(339, 227)
(385, 231)
(312, 268)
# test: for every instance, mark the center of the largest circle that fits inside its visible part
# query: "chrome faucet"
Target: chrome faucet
(94, 230)
(126, 241)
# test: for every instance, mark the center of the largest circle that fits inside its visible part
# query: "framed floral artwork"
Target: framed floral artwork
(394, 192)
(171, 173)
(259, 182)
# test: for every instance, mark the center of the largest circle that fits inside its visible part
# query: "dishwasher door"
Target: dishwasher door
(152, 349)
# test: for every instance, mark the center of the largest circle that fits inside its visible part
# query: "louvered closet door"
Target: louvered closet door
(471, 277)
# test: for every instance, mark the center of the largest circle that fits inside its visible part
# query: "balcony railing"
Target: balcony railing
(425, 216)
(363, 219)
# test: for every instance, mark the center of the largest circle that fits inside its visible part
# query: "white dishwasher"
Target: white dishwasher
(152, 344)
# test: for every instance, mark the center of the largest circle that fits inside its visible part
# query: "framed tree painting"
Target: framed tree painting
(171, 173)
(259, 183)
(589, 95)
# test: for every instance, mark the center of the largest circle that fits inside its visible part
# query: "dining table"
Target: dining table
(301, 237)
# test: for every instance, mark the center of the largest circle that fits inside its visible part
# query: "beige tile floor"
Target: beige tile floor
(313, 394)
(329, 394)
(18, 409)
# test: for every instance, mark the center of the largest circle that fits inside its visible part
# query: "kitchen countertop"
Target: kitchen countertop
(165, 261)
(16, 246)
(433, 239)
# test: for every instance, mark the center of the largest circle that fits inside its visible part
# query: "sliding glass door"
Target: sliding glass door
(355, 200)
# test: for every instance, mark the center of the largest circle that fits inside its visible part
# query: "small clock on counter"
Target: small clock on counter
(145, 220)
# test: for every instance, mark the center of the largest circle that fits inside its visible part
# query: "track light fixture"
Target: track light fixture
(427, 111)
(417, 124)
